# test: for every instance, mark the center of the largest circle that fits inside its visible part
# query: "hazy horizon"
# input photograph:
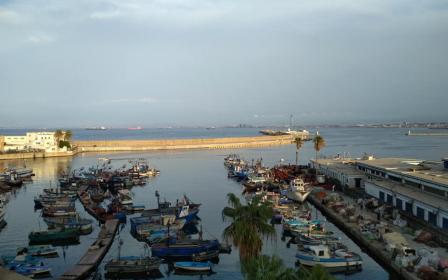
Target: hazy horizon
(215, 63)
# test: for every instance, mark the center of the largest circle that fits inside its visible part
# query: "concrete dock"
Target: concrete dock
(95, 254)
(6, 274)
(373, 248)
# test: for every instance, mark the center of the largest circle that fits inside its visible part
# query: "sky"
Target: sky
(155, 63)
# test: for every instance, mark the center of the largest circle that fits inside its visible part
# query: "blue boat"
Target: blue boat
(183, 248)
(33, 271)
(193, 266)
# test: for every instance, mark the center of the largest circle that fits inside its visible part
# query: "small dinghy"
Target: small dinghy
(193, 266)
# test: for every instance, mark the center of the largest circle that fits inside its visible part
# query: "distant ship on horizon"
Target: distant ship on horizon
(135, 128)
(97, 128)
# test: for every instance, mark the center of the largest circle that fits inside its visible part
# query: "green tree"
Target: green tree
(299, 143)
(319, 144)
(272, 268)
(68, 135)
(58, 134)
(267, 268)
(249, 225)
(317, 272)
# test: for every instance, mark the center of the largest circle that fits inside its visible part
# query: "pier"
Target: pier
(373, 248)
(95, 253)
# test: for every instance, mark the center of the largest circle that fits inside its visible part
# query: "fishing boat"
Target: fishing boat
(132, 264)
(53, 236)
(298, 190)
(33, 271)
(340, 260)
(59, 211)
(39, 251)
(193, 266)
(183, 248)
(84, 226)
(205, 256)
(125, 197)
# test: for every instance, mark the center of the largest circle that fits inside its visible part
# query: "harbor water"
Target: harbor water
(203, 178)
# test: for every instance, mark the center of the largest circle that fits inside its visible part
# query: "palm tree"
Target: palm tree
(248, 225)
(299, 143)
(267, 268)
(58, 135)
(68, 135)
(272, 268)
(317, 272)
(319, 144)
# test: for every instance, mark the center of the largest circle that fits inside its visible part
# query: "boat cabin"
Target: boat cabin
(320, 251)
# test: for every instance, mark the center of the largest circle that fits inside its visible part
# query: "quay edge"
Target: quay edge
(375, 252)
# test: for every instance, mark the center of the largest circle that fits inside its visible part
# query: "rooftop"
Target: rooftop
(342, 165)
(425, 170)
(413, 193)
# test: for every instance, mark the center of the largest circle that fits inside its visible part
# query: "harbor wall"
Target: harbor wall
(178, 144)
(32, 155)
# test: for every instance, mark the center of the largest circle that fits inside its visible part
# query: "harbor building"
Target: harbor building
(342, 169)
(40, 141)
(416, 187)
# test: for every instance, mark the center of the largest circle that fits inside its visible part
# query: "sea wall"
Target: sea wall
(31, 155)
(177, 144)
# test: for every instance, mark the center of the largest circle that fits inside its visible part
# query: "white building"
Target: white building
(42, 141)
(342, 169)
(414, 186)
(417, 187)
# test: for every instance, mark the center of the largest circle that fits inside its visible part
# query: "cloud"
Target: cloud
(40, 39)
(144, 100)
(9, 16)
(105, 14)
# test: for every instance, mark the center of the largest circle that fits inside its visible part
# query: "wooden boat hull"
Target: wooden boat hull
(193, 266)
(132, 265)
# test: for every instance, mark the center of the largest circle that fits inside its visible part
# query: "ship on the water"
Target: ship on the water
(271, 132)
(135, 128)
(97, 128)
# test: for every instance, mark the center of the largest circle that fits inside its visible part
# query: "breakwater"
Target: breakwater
(159, 144)
(181, 144)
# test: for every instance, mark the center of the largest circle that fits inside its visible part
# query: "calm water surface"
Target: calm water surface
(202, 176)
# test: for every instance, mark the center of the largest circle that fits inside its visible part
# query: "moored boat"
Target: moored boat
(298, 190)
(131, 264)
(53, 236)
(193, 266)
(183, 248)
(39, 251)
(340, 260)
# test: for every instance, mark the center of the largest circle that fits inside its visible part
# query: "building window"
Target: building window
(432, 218)
(445, 223)
(409, 207)
(420, 213)
(399, 204)
(382, 196)
(389, 199)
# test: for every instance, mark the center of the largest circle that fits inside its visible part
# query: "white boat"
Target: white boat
(334, 261)
(193, 266)
(298, 190)
(125, 197)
